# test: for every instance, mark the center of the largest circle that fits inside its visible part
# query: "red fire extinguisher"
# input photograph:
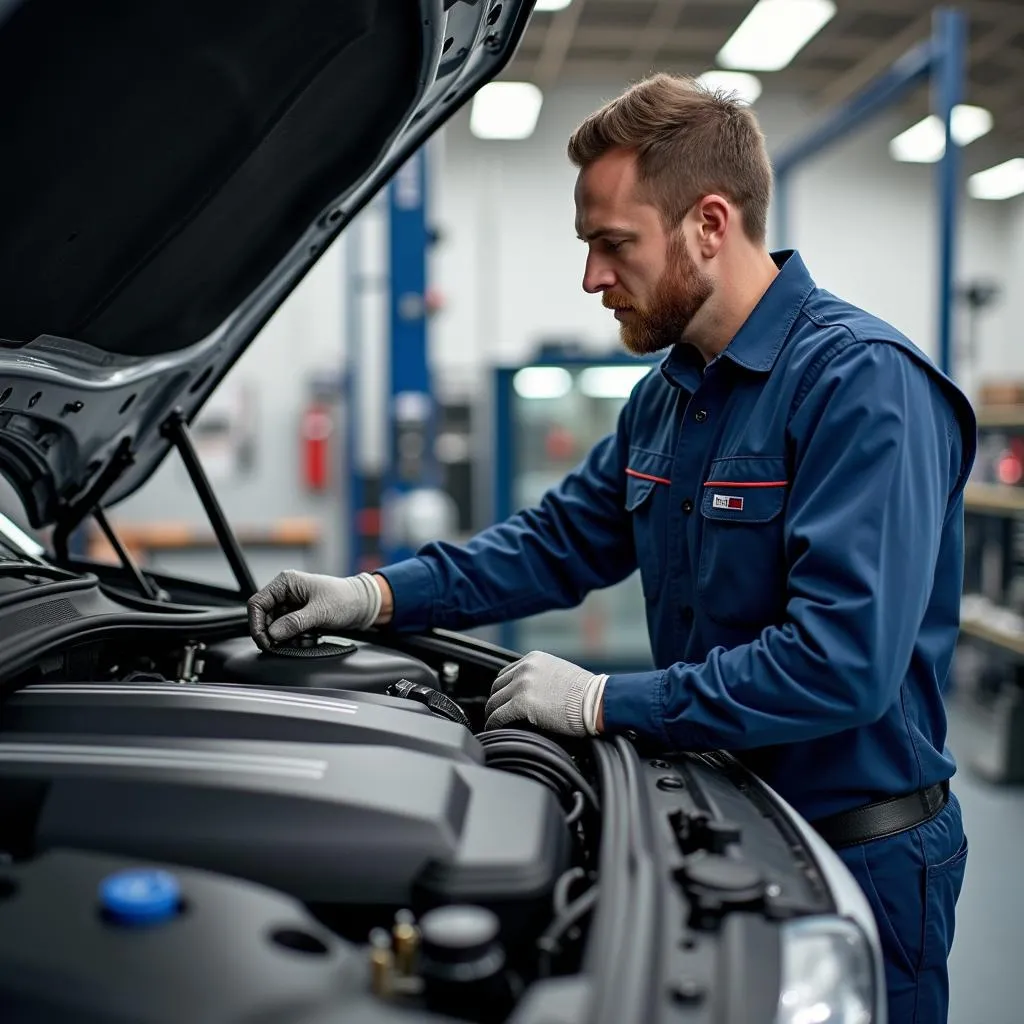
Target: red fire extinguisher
(316, 429)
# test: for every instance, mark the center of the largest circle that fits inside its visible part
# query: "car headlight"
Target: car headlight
(828, 973)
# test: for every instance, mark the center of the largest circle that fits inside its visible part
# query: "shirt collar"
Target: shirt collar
(758, 342)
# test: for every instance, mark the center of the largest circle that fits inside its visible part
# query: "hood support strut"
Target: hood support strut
(75, 512)
(175, 429)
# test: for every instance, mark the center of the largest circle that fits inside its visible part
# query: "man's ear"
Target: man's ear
(713, 216)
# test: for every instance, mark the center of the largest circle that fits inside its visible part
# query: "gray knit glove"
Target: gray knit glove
(549, 693)
(295, 602)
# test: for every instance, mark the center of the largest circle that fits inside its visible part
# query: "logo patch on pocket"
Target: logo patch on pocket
(730, 501)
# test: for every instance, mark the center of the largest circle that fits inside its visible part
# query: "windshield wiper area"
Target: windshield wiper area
(21, 567)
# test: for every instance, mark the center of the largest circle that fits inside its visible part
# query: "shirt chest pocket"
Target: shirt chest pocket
(741, 579)
(647, 494)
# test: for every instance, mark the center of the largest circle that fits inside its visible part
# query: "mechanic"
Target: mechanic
(788, 482)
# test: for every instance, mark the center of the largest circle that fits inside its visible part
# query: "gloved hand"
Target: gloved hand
(294, 602)
(548, 692)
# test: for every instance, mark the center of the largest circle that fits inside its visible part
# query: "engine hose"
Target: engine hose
(565, 882)
(569, 771)
(611, 913)
(557, 782)
(524, 736)
(578, 806)
(530, 771)
(549, 944)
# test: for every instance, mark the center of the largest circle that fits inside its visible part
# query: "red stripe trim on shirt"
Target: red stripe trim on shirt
(647, 476)
(744, 483)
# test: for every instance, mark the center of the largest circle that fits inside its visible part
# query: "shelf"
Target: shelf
(142, 539)
(1013, 642)
(1000, 416)
(995, 499)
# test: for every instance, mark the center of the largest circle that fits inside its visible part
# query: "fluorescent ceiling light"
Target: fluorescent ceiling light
(746, 87)
(542, 382)
(774, 32)
(999, 182)
(611, 381)
(551, 5)
(505, 110)
(925, 142)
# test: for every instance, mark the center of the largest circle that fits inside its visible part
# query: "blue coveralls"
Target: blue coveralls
(795, 509)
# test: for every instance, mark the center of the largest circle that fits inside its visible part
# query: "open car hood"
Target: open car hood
(171, 170)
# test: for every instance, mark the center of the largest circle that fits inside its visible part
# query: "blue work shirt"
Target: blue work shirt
(795, 509)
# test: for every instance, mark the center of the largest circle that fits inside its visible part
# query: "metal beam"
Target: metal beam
(702, 41)
(880, 57)
(947, 88)
(559, 38)
(909, 71)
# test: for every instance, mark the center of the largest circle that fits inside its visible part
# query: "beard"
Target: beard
(677, 298)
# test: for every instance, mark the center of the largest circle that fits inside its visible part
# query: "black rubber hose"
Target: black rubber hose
(610, 914)
(529, 771)
(502, 755)
(630, 999)
(567, 768)
(511, 763)
(525, 736)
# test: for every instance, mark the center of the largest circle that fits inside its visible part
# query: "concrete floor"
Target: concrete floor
(986, 968)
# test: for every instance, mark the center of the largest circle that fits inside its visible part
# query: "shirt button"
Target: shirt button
(687, 506)
(700, 415)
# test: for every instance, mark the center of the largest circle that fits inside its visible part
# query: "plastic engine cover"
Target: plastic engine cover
(331, 825)
(227, 951)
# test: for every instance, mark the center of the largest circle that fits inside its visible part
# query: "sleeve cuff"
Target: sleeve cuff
(415, 593)
(636, 701)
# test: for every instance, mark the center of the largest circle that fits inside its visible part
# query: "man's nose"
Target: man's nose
(597, 276)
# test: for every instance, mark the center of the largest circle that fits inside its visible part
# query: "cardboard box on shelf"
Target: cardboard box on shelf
(1001, 392)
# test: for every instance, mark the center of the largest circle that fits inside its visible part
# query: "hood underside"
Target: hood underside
(171, 170)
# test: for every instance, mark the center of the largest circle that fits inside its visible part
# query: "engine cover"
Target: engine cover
(279, 714)
(336, 826)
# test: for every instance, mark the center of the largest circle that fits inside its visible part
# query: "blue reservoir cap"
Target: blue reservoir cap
(141, 896)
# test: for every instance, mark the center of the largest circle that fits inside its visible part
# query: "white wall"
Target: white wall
(1009, 316)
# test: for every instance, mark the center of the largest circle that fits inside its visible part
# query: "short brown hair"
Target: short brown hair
(689, 141)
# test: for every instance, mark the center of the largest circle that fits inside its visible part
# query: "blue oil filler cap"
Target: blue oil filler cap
(141, 896)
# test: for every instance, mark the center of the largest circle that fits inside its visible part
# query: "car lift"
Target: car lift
(411, 506)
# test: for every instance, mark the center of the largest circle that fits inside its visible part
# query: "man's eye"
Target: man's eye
(614, 246)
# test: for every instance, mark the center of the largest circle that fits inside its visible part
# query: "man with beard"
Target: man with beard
(789, 483)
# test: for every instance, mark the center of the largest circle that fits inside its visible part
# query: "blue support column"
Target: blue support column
(411, 407)
(949, 35)
(940, 59)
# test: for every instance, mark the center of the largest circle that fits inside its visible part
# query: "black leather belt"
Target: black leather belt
(883, 818)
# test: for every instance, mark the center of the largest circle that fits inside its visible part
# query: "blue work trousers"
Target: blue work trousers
(912, 882)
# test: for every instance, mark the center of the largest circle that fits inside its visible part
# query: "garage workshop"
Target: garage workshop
(511, 511)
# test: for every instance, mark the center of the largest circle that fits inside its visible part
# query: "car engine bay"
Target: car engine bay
(325, 832)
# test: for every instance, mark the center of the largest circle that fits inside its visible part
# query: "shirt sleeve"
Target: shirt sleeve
(577, 539)
(877, 472)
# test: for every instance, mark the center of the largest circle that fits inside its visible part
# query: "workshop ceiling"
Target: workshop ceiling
(623, 40)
